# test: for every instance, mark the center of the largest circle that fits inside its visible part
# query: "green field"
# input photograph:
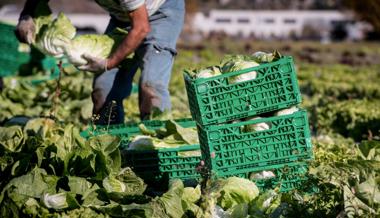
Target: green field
(340, 86)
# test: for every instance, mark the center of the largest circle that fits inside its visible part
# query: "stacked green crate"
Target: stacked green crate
(214, 100)
(229, 149)
(11, 58)
(223, 110)
(180, 162)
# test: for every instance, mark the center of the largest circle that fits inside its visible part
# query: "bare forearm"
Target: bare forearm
(128, 46)
(140, 29)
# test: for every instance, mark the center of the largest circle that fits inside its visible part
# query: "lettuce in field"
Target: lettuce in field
(224, 197)
(235, 191)
(173, 135)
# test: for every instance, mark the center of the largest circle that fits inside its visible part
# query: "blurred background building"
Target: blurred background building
(279, 24)
(323, 20)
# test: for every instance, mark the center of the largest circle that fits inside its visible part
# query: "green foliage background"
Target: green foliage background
(341, 91)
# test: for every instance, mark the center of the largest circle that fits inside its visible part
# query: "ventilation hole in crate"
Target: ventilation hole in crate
(265, 174)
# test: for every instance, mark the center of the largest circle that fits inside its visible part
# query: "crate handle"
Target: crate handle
(202, 88)
(284, 68)
(264, 174)
(214, 135)
(299, 121)
(265, 126)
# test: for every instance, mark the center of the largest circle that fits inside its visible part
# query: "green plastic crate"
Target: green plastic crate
(125, 131)
(287, 177)
(213, 100)
(49, 64)
(167, 163)
(10, 56)
(228, 150)
(154, 165)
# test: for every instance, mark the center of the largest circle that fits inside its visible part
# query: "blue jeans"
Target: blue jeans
(154, 57)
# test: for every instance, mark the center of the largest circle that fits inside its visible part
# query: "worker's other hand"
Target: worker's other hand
(94, 64)
(26, 29)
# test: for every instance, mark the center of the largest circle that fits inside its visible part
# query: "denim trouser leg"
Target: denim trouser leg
(109, 91)
(154, 57)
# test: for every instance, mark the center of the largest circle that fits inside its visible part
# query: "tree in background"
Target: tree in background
(367, 10)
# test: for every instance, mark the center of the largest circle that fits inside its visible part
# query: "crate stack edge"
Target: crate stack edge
(222, 110)
(215, 101)
(167, 163)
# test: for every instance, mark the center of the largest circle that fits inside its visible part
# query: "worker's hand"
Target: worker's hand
(25, 30)
(94, 64)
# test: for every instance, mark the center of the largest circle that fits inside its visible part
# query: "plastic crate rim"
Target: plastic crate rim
(179, 149)
(188, 76)
(215, 128)
(122, 128)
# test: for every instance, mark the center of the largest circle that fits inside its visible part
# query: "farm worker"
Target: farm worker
(153, 29)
